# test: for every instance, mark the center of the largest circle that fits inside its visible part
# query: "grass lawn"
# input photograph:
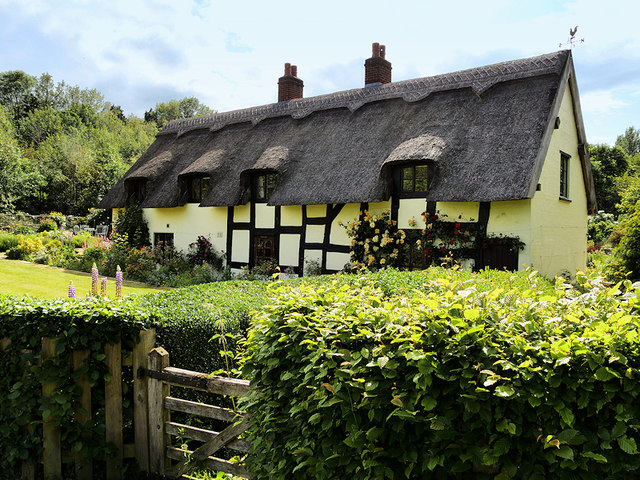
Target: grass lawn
(19, 278)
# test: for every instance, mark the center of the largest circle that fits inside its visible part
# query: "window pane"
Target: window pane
(421, 178)
(204, 187)
(260, 191)
(195, 189)
(271, 185)
(407, 179)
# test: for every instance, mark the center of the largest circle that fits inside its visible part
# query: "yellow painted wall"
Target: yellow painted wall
(376, 208)
(316, 211)
(312, 255)
(453, 210)
(558, 227)
(314, 234)
(240, 246)
(336, 261)
(265, 216)
(291, 216)
(411, 209)
(188, 222)
(242, 213)
(289, 247)
(513, 218)
(338, 234)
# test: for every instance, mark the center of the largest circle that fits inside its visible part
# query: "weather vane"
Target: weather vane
(572, 40)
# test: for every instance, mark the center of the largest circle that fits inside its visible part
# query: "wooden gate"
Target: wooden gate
(164, 448)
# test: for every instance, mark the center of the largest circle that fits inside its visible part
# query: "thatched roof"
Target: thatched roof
(486, 130)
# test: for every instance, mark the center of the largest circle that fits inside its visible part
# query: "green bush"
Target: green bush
(627, 254)
(77, 325)
(7, 241)
(600, 226)
(131, 222)
(47, 225)
(453, 379)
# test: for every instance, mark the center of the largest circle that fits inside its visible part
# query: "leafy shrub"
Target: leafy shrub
(456, 380)
(47, 225)
(600, 226)
(16, 253)
(23, 230)
(627, 253)
(59, 218)
(131, 223)
(7, 241)
(202, 251)
(77, 325)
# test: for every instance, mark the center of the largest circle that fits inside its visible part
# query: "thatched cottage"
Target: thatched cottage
(501, 146)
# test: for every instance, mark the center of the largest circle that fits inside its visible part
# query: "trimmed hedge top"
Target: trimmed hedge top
(448, 380)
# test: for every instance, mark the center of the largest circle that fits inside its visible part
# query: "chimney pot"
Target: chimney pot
(289, 85)
(377, 69)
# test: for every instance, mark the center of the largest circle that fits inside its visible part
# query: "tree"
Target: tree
(608, 164)
(17, 179)
(16, 92)
(630, 141)
(174, 109)
(627, 254)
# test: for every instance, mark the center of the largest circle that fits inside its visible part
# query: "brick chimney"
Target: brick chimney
(289, 86)
(377, 69)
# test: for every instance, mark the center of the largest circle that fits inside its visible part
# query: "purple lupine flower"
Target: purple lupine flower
(72, 290)
(118, 282)
(103, 287)
(94, 280)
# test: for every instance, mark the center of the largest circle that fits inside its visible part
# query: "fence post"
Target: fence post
(158, 415)
(84, 467)
(140, 397)
(113, 409)
(51, 455)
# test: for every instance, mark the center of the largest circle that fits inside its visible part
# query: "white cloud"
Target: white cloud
(601, 102)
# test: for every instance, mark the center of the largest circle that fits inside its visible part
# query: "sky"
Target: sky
(230, 54)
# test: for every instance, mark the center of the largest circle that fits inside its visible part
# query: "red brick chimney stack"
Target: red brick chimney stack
(289, 85)
(377, 69)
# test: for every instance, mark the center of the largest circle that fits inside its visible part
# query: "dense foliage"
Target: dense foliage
(63, 147)
(75, 325)
(454, 379)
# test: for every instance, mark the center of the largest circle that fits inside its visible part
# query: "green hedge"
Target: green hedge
(77, 325)
(455, 378)
(190, 317)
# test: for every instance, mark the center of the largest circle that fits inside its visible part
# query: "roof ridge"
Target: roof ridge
(480, 79)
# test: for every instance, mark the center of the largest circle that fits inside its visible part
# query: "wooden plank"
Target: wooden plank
(84, 467)
(158, 415)
(217, 464)
(209, 448)
(202, 409)
(4, 343)
(201, 381)
(113, 409)
(129, 450)
(51, 455)
(140, 362)
(202, 435)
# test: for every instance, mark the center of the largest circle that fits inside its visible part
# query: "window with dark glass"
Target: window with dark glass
(137, 191)
(564, 175)
(264, 187)
(162, 240)
(197, 188)
(415, 178)
(264, 247)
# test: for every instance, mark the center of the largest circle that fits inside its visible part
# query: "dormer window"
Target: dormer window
(137, 190)
(197, 188)
(415, 179)
(264, 186)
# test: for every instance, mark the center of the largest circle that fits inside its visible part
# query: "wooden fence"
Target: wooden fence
(162, 429)
(153, 430)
